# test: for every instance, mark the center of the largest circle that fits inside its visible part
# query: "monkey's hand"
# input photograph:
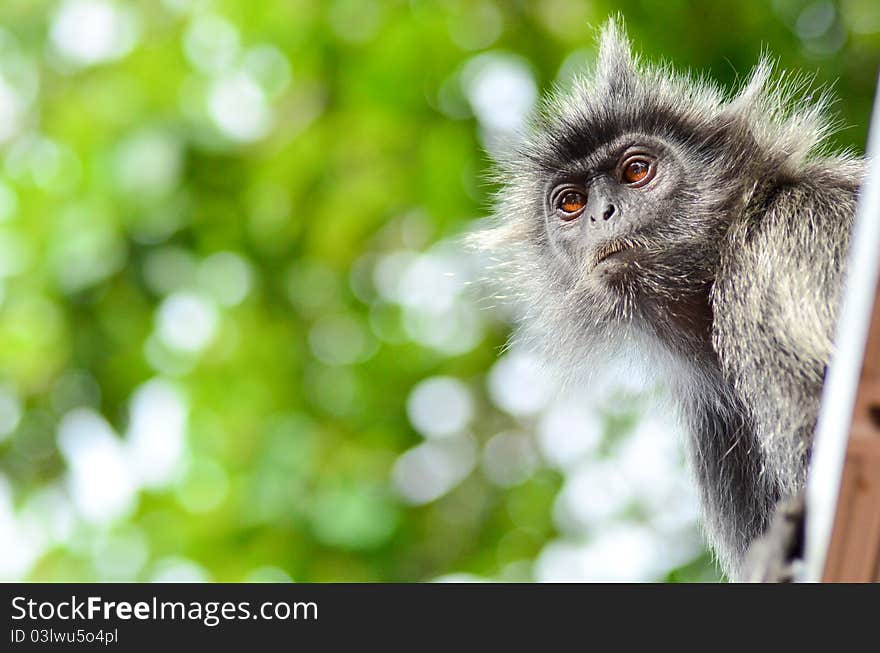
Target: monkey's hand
(776, 556)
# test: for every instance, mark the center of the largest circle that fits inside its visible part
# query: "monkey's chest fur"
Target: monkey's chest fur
(738, 490)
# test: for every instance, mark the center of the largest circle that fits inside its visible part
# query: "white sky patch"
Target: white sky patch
(85, 254)
(11, 109)
(211, 44)
(175, 569)
(267, 574)
(187, 322)
(180, 7)
(238, 106)
(148, 163)
(156, 436)
(452, 332)
(87, 32)
(561, 561)
(427, 472)
(431, 282)
(440, 406)
(166, 361)
(119, 556)
(568, 432)
(226, 277)
(501, 90)
(509, 458)
(592, 494)
(99, 478)
(43, 162)
(21, 545)
(389, 271)
(620, 553)
(651, 460)
(49, 510)
(269, 67)
(519, 385)
(461, 577)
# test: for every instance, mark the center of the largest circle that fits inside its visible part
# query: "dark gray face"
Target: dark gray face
(632, 234)
(606, 214)
(634, 240)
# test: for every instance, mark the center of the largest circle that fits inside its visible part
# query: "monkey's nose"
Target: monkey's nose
(606, 213)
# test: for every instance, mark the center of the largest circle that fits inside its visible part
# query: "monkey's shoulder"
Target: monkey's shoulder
(777, 287)
(797, 225)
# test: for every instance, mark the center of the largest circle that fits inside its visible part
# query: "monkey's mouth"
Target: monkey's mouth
(614, 249)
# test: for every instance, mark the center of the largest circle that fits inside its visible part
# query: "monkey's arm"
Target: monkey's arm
(775, 304)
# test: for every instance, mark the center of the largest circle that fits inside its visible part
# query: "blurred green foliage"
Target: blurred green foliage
(197, 199)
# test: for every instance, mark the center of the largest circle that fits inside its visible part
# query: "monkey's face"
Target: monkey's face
(614, 212)
(615, 207)
(600, 209)
(624, 222)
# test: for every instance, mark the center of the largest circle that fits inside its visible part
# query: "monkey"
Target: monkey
(647, 211)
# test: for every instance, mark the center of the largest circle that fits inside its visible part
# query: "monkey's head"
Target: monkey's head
(611, 212)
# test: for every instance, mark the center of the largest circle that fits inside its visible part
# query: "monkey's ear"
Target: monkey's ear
(616, 67)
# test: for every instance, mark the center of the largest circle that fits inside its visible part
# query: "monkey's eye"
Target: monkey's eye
(637, 171)
(570, 204)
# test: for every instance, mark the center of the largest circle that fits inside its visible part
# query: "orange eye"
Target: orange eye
(571, 203)
(637, 171)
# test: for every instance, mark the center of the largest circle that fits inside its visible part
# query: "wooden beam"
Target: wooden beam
(854, 548)
(843, 489)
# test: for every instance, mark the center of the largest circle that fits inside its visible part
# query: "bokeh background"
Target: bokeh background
(239, 339)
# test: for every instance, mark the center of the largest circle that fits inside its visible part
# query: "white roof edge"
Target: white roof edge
(842, 381)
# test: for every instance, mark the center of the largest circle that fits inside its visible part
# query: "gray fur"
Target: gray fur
(733, 281)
